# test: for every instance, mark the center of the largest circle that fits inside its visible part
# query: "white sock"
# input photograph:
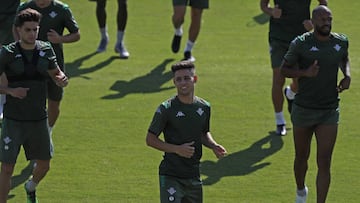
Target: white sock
(50, 129)
(120, 37)
(189, 45)
(104, 33)
(30, 186)
(289, 93)
(279, 117)
(301, 192)
(179, 31)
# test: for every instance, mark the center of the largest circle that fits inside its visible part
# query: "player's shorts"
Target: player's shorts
(305, 117)
(201, 4)
(178, 190)
(54, 92)
(32, 135)
(6, 24)
(277, 50)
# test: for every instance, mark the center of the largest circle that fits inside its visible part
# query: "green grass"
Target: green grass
(100, 151)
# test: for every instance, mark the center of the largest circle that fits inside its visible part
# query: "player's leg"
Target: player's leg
(5, 180)
(121, 20)
(179, 10)
(194, 30)
(194, 191)
(101, 19)
(290, 92)
(326, 138)
(171, 189)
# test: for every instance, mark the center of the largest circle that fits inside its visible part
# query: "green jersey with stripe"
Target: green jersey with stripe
(318, 92)
(181, 123)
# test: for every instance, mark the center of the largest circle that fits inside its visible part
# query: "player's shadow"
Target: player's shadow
(23, 176)
(260, 19)
(149, 83)
(242, 162)
(74, 69)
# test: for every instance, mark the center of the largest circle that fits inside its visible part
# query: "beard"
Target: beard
(323, 31)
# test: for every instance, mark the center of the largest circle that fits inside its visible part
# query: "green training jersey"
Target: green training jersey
(22, 70)
(56, 16)
(8, 7)
(181, 123)
(318, 92)
(290, 24)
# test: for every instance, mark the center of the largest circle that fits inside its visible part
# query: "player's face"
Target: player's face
(184, 81)
(42, 3)
(28, 32)
(322, 23)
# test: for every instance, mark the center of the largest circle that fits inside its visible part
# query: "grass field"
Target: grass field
(100, 150)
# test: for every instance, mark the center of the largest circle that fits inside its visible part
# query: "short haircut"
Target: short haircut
(182, 65)
(27, 15)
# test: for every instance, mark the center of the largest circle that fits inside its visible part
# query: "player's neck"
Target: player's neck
(186, 99)
(27, 46)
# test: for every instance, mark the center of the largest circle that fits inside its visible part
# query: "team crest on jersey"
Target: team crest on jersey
(41, 53)
(53, 14)
(200, 111)
(158, 110)
(337, 47)
(180, 114)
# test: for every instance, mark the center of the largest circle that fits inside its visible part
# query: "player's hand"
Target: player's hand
(219, 151)
(61, 80)
(19, 92)
(344, 84)
(54, 37)
(186, 150)
(276, 12)
(313, 70)
(308, 25)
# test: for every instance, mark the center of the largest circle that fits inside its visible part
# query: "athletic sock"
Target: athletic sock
(189, 45)
(30, 186)
(120, 37)
(279, 117)
(179, 31)
(104, 33)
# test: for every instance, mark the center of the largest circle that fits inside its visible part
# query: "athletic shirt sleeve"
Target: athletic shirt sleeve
(70, 22)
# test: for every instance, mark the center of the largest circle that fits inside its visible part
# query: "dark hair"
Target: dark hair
(182, 65)
(27, 15)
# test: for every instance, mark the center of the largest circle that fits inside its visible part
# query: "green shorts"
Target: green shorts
(54, 92)
(6, 23)
(32, 135)
(201, 4)
(278, 50)
(305, 117)
(178, 190)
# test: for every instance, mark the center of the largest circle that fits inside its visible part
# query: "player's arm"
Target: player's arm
(59, 77)
(345, 69)
(290, 71)
(56, 38)
(208, 141)
(184, 150)
(273, 12)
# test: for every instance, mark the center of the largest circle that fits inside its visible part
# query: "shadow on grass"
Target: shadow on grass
(242, 162)
(260, 19)
(73, 68)
(149, 83)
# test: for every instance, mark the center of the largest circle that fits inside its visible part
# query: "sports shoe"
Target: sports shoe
(121, 49)
(103, 44)
(300, 198)
(281, 130)
(30, 196)
(175, 45)
(188, 57)
(289, 101)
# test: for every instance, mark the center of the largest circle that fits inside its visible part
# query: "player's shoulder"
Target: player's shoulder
(168, 103)
(202, 101)
(43, 45)
(26, 4)
(61, 5)
(9, 48)
(339, 36)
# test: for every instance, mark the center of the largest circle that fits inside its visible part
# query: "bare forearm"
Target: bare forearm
(153, 141)
(69, 38)
(265, 7)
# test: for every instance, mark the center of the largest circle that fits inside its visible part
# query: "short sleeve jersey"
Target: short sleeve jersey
(318, 92)
(33, 106)
(56, 16)
(290, 24)
(181, 123)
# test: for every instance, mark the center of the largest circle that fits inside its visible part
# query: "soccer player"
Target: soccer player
(179, 10)
(7, 15)
(121, 24)
(288, 19)
(56, 17)
(27, 63)
(185, 122)
(315, 59)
